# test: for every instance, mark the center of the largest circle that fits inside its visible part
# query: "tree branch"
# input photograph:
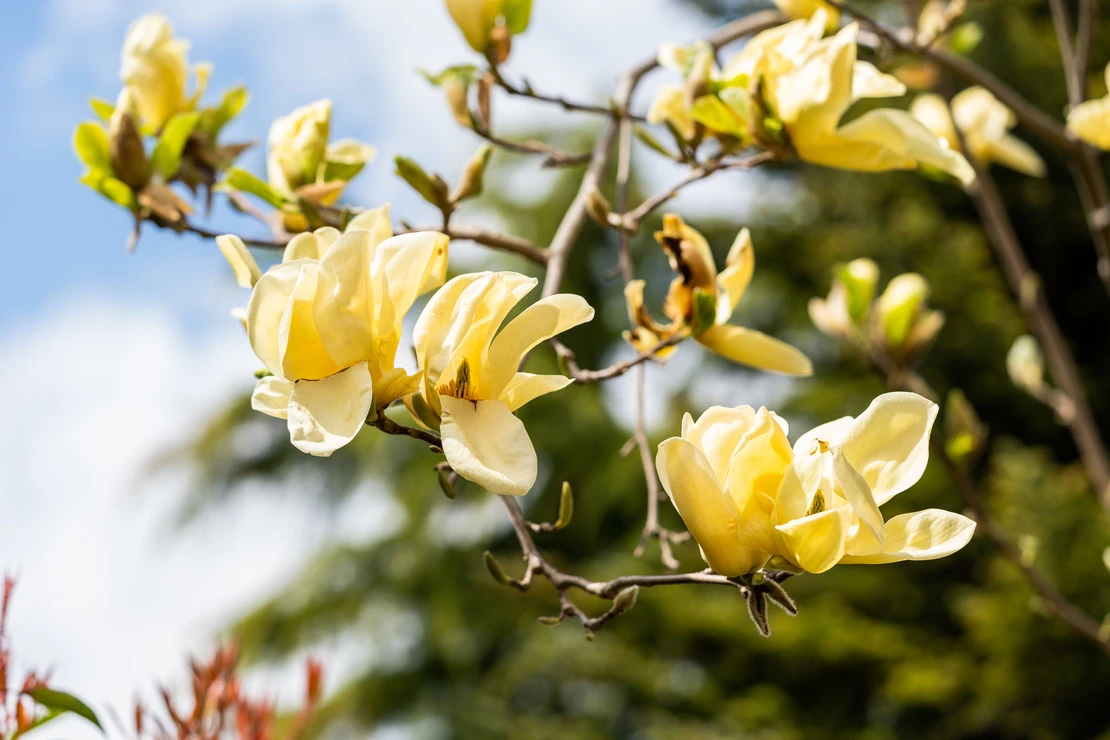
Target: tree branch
(493, 239)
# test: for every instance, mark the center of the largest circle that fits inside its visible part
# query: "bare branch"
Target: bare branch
(554, 157)
(617, 369)
(493, 239)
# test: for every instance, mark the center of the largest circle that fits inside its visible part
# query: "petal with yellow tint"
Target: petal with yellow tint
(759, 461)
(268, 304)
(344, 304)
(717, 433)
(486, 444)
(241, 261)
(733, 281)
(394, 384)
(922, 535)
(303, 246)
(756, 349)
(1090, 121)
(540, 321)
(869, 537)
(709, 513)
(376, 221)
(526, 387)
(303, 354)
(869, 82)
(817, 542)
(326, 414)
(271, 396)
(889, 442)
(403, 265)
(1010, 151)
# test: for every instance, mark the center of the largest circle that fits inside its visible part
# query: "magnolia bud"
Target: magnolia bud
(598, 207)
(297, 145)
(859, 278)
(899, 306)
(456, 90)
(470, 184)
(500, 44)
(965, 434)
(1025, 364)
(125, 144)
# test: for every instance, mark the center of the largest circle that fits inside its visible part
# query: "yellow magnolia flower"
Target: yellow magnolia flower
(809, 83)
(672, 104)
(471, 383)
(985, 123)
(479, 19)
(747, 496)
(806, 9)
(155, 66)
(300, 160)
(1090, 121)
(700, 303)
(327, 322)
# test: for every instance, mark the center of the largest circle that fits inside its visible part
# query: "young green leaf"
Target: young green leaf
(166, 158)
(114, 190)
(517, 14)
(90, 141)
(61, 702)
(239, 179)
(432, 188)
(102, 108)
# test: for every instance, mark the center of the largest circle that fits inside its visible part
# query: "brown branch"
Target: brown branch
(1027, 289)
(493, 239)
(1074, 82)
(387, 425)
(583, 377)
(554, 157)
(526, 91)
(186, 226)
(631, 221)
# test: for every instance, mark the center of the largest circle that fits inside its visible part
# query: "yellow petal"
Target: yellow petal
(267, 306)
(670, 106)
(303, 353)
(241, 261)
(817, 542)
(923, 535)
(394, 384)
(403, 265)
(869, 82)
(476, 19)
(717, 433)
(869, 538)
(1010, 151)
(812, 98)
(1090, 121)
(525, 387)
(881, 140)
(540, 321)
(934, 114)
(326, 414)
(733, 281)
(271, 396)
(239, 313)
(760, 459)
(756, 349)
(376, 221)
(303, 246)
(889, 443)
(809, 8)
(486, 444)
(709, 513)
(344, 309)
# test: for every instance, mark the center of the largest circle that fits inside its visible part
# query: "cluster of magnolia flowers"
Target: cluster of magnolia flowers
(326, 321)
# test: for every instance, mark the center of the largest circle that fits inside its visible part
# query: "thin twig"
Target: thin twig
(389, 426)
(1062, 24)
(526, 91)
(553, 157)
(493, 239)
(583, 377)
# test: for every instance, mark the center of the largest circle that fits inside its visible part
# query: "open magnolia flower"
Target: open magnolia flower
(327, 321)
(985, 123)
(471, 384)
(805, 84)
(155, 66)
(747, 497)
(700, 303)
(1090, 120)
(806, 9)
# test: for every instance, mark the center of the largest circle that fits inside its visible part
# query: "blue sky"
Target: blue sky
(109, 357)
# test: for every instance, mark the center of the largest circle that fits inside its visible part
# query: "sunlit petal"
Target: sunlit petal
(326, 414)
(756, 349)
(922, 535)
(486, 444)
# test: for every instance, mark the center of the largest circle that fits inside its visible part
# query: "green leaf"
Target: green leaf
(651, 142)
(465, 73)
(705, 310)
(102, 108)
(432, 188)
(517, 14)
(965, 38)
(61, 702)
(90, 141)
(166, 158)
(345, 159)
(214, 119)
(714, 114)
(566, 506)
(239, 179)
(114, 190)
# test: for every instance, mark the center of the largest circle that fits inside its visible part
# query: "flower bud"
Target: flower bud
(470, 184)
(456, 91)
(598, 207)
(125, 143)
(859, 278)
(1025, 364)
(899, 306)
(965, 434)
(155, 65)
(297, 145)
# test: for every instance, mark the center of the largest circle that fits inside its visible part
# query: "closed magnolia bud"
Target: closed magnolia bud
(297, 145)
(1025, 364)
(125, 144)
(470, 184)
(456, 91)
(155, 65)
(965, 434)
(859, 278)
(598, 207)
(500, 44)
(899, 306)
(626, 599)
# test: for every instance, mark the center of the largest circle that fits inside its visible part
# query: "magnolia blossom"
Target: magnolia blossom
(471, 384)
(155, 66)
(1090, 121)
(700, 303)
(326, 323)
(985, 123)
(299, 155)
(747, 496)
(809, 82)
(806, 9)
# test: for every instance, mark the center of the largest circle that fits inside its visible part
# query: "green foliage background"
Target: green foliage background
(953, 648)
